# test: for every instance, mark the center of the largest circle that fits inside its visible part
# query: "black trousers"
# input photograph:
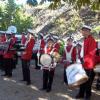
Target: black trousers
(65, 77)
(26, 70)
(34, 56)
(48, 79)
(15, 61)
(85, 88)
(98, 82)
(8, 66)
(1, 62)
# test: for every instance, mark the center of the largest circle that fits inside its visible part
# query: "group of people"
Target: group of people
(35, 47)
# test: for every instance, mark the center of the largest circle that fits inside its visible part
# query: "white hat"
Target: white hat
(30, 31)
(12, 29)
(46, 36)
(8, 32)
(49, 38)
(56, 37)
(70, 38)
(87, 27)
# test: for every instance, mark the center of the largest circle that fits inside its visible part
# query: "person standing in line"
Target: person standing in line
(8, 56)
(69, 56)
(15, 58)
(78, 52)
(89, 52)
(2, 40)
(98, 62)
(38, 50)
(23, 38)
(48, 71)
(26, 57)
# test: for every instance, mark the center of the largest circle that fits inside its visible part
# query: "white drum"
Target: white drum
(76, 75)
(46, 62)
(97, 68)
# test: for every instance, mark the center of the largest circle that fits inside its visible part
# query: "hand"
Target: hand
(24, 53)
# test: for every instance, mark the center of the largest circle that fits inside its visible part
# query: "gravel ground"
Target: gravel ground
(14, 89)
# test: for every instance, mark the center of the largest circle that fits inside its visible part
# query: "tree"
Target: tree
(32, 2)
(11, 14)
(77, 4)
(22, 21)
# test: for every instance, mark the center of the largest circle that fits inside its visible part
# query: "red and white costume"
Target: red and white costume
(69, 55)
(27, 54)
(89, 52)
(98, 56)
(39, 46)
(2, 40)
(49, 50)
(23, 39)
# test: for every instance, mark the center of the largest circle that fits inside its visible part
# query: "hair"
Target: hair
(70, 39)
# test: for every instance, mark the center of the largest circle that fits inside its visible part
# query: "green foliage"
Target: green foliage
(32, 2)
(68, 23)
(96, 29)
(78, 4)
(61, 50)
(11, 14)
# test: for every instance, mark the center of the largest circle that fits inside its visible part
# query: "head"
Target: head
(23, 33)
(50, 43)
(30, 35)
(13, 34)
(79, 46)
(40, 35)
(69, 41)
(86, 30)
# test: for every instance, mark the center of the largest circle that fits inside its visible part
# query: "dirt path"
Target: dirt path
(14, 89)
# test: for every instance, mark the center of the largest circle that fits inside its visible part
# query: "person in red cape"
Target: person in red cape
(2, 40)
(88, 62)
(98, 62)
(3, 37)
(98, 53)
(38, 49)
(69, 56)
(15, 58)
(26, 57)
(23, 38)
(8, 56)
(78, 52)
(48, 73)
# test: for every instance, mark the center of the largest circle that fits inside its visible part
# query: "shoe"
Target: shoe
(42, 89)
(22, 80)
(65, 83)
(48, 90)
(37, 68)
(28, 83)
(87, 98)
(4, 75)
(9, 76)
(79, 96)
